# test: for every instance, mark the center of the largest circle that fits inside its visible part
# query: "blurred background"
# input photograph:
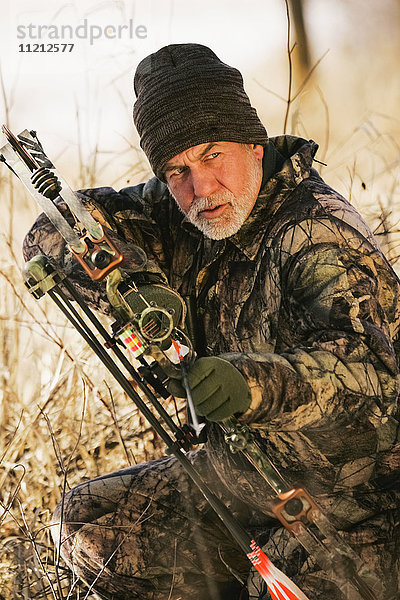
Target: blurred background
(61, 418)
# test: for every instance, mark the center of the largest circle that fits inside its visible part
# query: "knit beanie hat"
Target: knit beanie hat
(187, 96)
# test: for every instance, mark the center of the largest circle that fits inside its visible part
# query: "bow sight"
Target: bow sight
(150, 316)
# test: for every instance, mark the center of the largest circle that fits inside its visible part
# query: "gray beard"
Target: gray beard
(235, 214)
(228, 223)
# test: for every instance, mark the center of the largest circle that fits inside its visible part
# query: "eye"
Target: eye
(212, 155)
(177, 172)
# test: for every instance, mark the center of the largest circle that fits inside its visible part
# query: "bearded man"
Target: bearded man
(299, 314)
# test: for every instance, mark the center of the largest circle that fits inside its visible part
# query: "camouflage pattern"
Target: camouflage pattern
(302, 301)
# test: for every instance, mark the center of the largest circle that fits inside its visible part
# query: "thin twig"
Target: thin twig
(117, 425)
(307, 77)
(327, 126)
(6, 508)
(289, 55)
(37, 554)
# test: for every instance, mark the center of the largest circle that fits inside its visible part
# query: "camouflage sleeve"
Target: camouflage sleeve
(339, 313)
(129, 217)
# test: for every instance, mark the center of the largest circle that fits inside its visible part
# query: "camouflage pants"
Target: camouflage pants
(147, 533)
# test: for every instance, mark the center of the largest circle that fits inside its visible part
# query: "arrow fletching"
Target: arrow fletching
(279, 585)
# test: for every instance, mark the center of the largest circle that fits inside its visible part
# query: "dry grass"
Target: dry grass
(62, 420)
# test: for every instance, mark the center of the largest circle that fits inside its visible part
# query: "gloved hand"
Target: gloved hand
(219, 390)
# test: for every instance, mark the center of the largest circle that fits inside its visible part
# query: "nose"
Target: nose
(204, 183)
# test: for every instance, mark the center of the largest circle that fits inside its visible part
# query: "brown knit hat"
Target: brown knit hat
(187, 96)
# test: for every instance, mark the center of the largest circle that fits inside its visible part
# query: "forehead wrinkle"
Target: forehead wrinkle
(206, 149)
(170, 166)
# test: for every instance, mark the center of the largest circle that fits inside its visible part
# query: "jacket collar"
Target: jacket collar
(297, 157)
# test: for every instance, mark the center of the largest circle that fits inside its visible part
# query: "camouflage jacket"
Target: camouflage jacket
(304, 303)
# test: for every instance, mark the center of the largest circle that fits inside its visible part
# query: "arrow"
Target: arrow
(279, 585)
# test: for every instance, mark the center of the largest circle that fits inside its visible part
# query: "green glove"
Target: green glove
(219, 390)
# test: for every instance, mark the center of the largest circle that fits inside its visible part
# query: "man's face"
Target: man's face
(216, 185)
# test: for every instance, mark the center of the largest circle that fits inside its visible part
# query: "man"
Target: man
(300, 314)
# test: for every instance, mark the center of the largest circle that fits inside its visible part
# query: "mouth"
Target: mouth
(213, 213)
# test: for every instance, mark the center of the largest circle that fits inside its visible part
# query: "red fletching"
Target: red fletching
(279, 585)
(178, 349)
